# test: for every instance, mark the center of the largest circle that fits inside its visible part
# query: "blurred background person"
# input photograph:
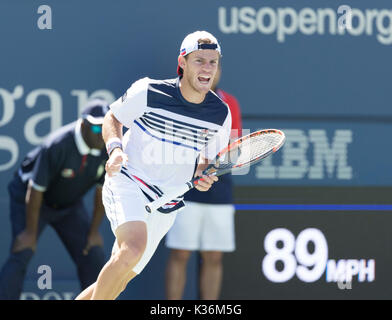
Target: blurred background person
(48, 188)
(206, 224)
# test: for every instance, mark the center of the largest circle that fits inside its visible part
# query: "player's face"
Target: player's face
(200, 68)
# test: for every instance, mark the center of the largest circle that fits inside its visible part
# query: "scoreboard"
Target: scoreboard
(312, 251)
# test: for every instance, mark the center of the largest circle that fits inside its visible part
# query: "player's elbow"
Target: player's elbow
(110, 125)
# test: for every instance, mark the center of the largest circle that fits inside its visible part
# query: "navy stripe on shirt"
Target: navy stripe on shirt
(166, 95)
(163, 139)
(168, 131)
(190, 128)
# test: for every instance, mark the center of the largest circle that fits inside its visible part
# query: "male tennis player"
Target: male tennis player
(206, 224)
(175, 127)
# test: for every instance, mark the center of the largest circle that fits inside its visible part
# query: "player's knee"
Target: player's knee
(181, 255)
(133, 250)
(130, 253)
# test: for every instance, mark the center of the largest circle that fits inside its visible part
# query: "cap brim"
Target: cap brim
(93, 120)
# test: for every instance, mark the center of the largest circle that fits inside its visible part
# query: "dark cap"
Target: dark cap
(95, 111)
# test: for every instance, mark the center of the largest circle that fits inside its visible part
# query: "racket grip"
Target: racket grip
(154, 205)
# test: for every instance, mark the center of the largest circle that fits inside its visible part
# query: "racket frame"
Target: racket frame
(212, 170)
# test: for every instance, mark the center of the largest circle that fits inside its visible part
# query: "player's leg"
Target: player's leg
(117, 272)
(156, 226)
(137, 235)
(176, 273)
(211, 272)
(182, 239)
(124, 207)
(87, 293)
(217, 236)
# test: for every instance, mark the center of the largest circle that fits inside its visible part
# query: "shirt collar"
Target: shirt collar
(82, 146)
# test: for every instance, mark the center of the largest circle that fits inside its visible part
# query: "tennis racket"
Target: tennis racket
(241, 153)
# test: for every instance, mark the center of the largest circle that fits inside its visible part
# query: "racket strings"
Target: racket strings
(250, 149)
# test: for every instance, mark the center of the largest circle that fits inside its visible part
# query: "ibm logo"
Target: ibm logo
(329, 158)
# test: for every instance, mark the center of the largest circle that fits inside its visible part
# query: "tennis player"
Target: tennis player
(206, 225)
(174, 128)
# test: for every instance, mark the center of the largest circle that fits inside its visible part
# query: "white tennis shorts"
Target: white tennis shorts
(124, 202)
(205, 227)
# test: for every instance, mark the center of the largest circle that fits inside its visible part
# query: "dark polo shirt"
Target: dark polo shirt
(63, 167)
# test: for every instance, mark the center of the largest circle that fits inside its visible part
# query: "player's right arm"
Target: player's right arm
(122, 113)
(112, 135)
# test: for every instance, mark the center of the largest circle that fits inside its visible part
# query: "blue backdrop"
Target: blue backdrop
(288, 64)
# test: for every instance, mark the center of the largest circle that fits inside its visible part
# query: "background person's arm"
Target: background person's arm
(94, 238)
(28, 237)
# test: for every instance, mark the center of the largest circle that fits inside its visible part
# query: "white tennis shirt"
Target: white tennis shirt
(166, 134)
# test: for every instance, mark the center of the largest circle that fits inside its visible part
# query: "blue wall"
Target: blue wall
(329, 91)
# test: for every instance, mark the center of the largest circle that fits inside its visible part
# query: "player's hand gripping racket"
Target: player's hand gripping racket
(240, 154)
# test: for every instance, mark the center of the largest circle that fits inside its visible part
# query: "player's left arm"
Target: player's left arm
(94, 238)
(207, 181)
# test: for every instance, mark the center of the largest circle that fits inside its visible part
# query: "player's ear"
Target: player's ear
(181, 62)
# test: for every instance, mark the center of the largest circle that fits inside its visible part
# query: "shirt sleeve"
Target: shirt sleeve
(219, 141)
(44, 168)
(132, 104)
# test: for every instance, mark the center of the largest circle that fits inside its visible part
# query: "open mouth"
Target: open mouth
(204, 80)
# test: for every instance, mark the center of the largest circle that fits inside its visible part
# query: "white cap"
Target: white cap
(191, 43)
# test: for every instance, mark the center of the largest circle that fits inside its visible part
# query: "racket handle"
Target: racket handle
(154, 205)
